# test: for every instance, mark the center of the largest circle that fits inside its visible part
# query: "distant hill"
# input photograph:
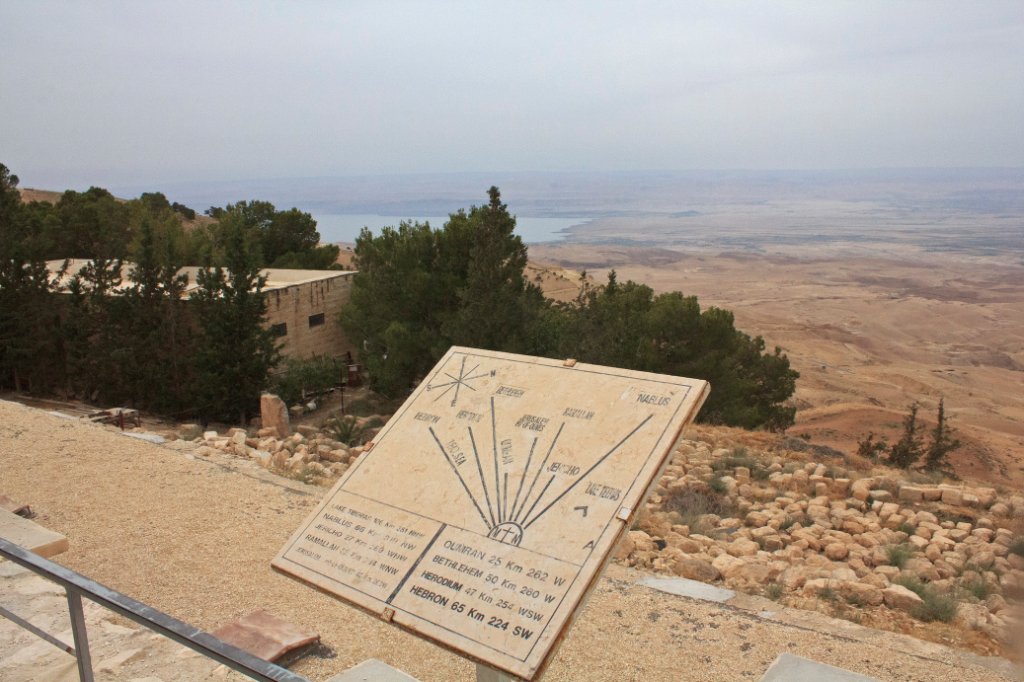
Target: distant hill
(28, 195)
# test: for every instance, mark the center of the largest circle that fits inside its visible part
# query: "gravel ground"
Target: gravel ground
(195, 537)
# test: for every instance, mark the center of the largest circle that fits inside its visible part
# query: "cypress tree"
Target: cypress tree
(908, 448)
(942, 443)
(235, 353)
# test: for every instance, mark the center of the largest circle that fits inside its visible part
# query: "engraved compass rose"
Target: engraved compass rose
(458, 382)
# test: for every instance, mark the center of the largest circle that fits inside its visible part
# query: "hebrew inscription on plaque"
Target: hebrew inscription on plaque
(486, 507)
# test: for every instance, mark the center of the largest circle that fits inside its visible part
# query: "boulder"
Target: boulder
(189, 431)
(837, 551)
(860, 593)
(725, 564)
(794, 577)
(750, 574)
(922, 568)
(642, 542)
(274, 415)
(695, 568)
(900, 598)
(743, 547)
(684, 544)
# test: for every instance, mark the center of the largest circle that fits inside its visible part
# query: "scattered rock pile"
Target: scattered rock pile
(308, 454)
(803, 532)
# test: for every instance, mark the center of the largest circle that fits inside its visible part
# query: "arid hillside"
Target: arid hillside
(870, 332)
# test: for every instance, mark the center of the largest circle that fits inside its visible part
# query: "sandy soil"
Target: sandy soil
(195, 537)
(869, 334)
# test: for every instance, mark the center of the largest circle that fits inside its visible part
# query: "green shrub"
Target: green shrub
(912, 583)
(345, 429)
(854, 599)
(978, 588)
(1017, 546)
(718, 485)
(691, 504)
(898, 554)
(872, 449)
(935, 606)
(789, 521)
(907, 528)
(773, 591)
(300, 379)
(828, 594)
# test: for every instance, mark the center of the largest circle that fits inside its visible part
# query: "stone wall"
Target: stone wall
(295, 306)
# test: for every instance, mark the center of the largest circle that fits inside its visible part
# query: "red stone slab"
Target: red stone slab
(266, 636)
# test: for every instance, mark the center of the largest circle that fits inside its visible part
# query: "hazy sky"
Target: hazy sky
(151, 92)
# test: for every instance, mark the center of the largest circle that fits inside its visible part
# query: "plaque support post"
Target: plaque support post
(487, 674)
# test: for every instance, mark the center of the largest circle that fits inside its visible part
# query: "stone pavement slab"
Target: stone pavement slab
(372, 670)
(31, 535)
(790, 668)
(684, 587)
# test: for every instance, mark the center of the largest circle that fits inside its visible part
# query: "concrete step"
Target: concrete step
(31, 535)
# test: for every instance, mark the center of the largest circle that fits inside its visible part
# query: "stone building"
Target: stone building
(302, 306)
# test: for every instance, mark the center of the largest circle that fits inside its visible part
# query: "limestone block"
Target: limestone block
(881, 495)
(986, 496)
(274, 415)
(910, 493)
(952, 496)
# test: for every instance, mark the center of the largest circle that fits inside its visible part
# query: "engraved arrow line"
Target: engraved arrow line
(585, 474)
(461, 480)
(539, 497)
(522, 479)
(483, 481)
(515, 517)
(497, 478)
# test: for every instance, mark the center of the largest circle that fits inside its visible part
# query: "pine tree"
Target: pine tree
(942, 443)
(492, 307)
(908, 448)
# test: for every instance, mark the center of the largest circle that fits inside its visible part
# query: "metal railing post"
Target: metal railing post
(81, 636)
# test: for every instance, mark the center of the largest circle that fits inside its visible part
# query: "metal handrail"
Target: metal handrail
(77, 586)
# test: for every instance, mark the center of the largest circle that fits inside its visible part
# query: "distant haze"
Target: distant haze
(156, 93)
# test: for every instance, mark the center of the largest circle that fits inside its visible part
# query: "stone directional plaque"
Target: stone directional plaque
(486, 507)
